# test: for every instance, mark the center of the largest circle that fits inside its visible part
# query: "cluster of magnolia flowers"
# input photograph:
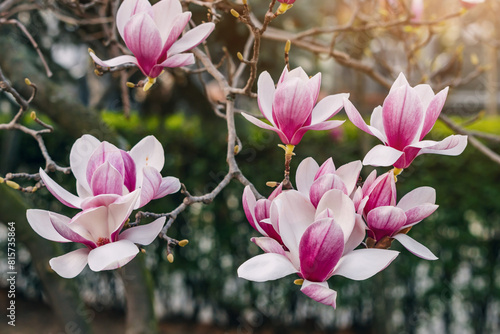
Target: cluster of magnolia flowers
(328, 225)
(110, 184)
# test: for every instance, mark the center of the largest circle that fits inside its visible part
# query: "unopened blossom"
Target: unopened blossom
(258, 212)
(401, 123)
(417, 10)
(317, 244)
(152, 35)
(100, 228)
(103, 172)
(376, 202)
(291, 107)
(285, 5)
(314, 181)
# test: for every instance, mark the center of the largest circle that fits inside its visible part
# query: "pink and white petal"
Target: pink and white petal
(361, 264)
(320, 292)
(165, 13)
(297, 72)
(304, 177)
(127, 9)
(64, 196)
(265, 95)
(400, 81)
(97, 201)
(105, 152)
(326, 125)
(106, 180)
(150, 185)
(433, 110)
(143, 38)
(192, 38)
(416, 197)
(328, 107)
(170, 35)
(169, 185)
(70, 264)
(356, 118)
(295, 213)
(265, 126)
(385, 221)
(416, 214)
(323, 184)
(382, 155)
(79, 157)
(147, 152)
(39, 221)
(415, 247)
(143, 234)
(377, 122)
(321, 247)
(328, 167)
(82, 192)
(178, 60)
(269, 245)
(91, 224)
(266, 267)
(112, 256)
(357, 236)
(342, 208)
(120, 60)
(129, 173)
(119, 212)
(314, 86)
(425, 93)
(249, 203)
(452, 145)
(349, 173)
(64, 229)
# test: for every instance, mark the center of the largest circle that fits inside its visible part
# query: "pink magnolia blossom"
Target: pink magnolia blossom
(376, 202)
(100, 230)
(470, 3)
(317, 244)
(103, 172)
(152, 34)
(407, 115)
(417, 10)
(291, 107)
(314, 181)
(258, 212)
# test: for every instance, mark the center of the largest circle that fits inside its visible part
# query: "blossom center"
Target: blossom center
(102, 241)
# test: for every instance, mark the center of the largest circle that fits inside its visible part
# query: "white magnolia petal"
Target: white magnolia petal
(70, 264)
(416, 197)
(305, 174)
(382, 155)
(320, 292)
(39, 221)
(361, 264)
(112, 255)
(342, 209)
(144, 234)
(266, 267)
(415, 247)
(79, 157)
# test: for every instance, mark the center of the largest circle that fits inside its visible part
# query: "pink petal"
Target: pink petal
(349, 173)
(120, 60)
(433, 111)
(320, 292)
(416, 197)
(377, 122)
(400, 81)
(143, 38)
(265, 95)
(119, 212)
(415, 247)
(382, 155)
(305, 175)
(127, 9)
(416, 214)
(64, 229)
(165, 15)
(269, 245)
(314, 87)
(192, 38)
(452, 145)
(113, 255)
(328, 107)
(361, 264)
(249, 203)
(80, 154)
(107, 180)
(385, 221)
(143, 234)
(321, 247)
(90, 224)
(356, 118)
(70, 264)
(101, 200)
(403, 115)
(170, 36)
(265, 126)
(169, 185)
(323, 184)
(328, 167)
(178, 60)
(357, 236)
(39, 221)
(382, 192)
(326, 125)
(266, 267)
(129, 176)
(150, 185)
(64, 196)
(342, 208)
(105, 152)
(147, 152)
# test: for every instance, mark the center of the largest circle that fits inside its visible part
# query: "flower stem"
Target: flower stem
(288, 158)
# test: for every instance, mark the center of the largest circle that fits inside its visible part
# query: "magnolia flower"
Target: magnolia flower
(258, 212)
(317, 244)
(100, 230)
(376, 201)
(290, 107)
(314, 181)
(407, 115)
(103, 172)
(152, 34)
(417, 10)
(470, 3)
